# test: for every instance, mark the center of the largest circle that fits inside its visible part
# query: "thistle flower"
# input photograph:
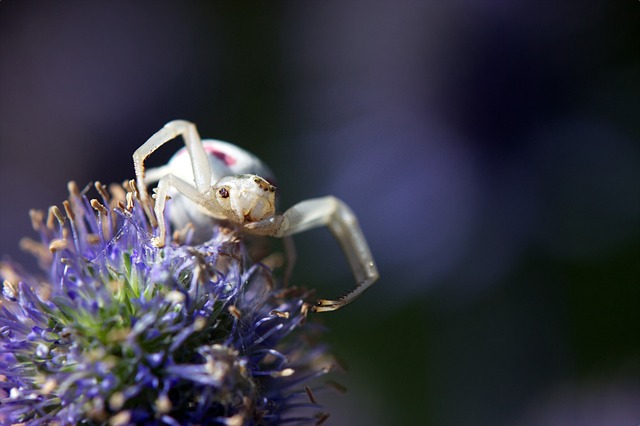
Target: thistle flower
(123, 333)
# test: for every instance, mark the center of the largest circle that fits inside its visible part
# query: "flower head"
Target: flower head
(121, 332)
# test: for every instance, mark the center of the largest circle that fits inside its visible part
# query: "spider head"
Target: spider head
(245, 198)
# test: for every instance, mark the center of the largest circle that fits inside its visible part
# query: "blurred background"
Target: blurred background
(490, 150)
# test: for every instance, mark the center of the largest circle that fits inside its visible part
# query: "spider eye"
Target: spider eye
(224, 193)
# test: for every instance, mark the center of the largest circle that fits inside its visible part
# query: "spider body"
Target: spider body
(225, 160)
(214, 180)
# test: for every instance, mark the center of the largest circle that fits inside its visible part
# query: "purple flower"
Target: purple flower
(121, 332)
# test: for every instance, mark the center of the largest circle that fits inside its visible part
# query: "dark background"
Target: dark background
(490, 150)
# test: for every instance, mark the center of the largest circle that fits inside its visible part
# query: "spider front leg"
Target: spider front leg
(199, 199)
(199, 160)
(338, 217)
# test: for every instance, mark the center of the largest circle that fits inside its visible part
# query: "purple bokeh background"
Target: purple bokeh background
(490, 150)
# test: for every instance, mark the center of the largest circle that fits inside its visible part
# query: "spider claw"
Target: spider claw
(324, 305)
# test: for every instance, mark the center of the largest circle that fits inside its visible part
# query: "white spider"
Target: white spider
(229, 187)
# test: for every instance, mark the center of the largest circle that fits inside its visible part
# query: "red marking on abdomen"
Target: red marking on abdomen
(226, 158)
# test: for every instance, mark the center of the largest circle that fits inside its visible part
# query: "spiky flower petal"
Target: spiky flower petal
(122, 332)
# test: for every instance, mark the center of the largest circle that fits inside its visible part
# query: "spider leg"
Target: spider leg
(155, 174)
(162, 191)
(197, 154)
(338, 217)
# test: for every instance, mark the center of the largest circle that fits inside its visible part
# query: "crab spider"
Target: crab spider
(221, 181)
